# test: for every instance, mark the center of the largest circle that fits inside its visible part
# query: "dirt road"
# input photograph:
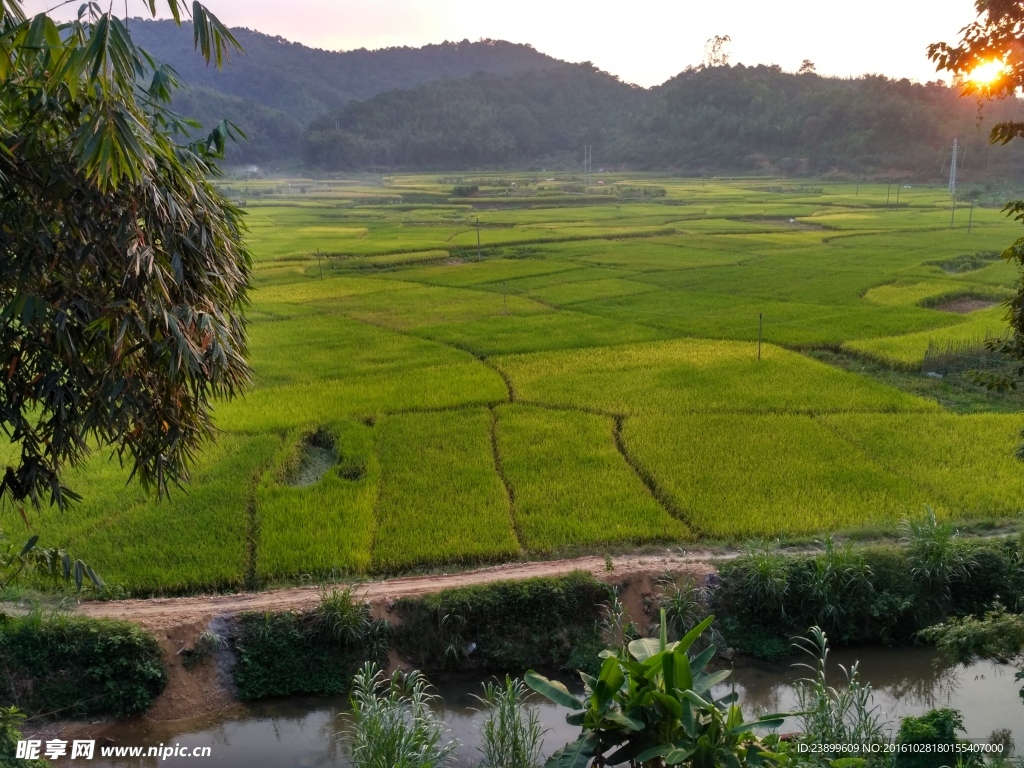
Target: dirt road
(167, 613)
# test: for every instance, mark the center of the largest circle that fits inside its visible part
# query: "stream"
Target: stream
(308, 732)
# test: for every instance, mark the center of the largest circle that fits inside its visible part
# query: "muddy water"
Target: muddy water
(309, 732)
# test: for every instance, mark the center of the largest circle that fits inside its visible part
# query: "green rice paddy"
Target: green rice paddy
(589, 378)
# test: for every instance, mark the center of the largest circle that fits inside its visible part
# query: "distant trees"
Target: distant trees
(723, 119)
(994, 39)
(716, 51)
(122, 268)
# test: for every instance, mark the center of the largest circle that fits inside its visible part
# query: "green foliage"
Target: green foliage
(11, 719)
(830, 714)
(395, 726)
(75, 667)
(991, 38)
(878, 594)
(281, 654)
(49, 565)
(511, 735)
(651, 704)
(206, 645)
(997, 635)
(935, 559)
(123, 273)
(619, 401)
(544, 622)
(937, 727)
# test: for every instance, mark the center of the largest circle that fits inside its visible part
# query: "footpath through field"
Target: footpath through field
(166, 613)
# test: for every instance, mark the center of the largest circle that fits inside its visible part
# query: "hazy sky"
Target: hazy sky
(641, 42)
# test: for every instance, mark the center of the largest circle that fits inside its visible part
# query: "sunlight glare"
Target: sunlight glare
(987, 73)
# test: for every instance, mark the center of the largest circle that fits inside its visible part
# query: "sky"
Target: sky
(644, 42)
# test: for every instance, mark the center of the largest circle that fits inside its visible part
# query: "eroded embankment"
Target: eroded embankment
(201, 689)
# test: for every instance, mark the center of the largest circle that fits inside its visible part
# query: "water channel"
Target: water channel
(308, 732)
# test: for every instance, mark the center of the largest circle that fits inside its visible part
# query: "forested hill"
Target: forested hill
(494, 103)
(483, 120)
(278, 87)
(717, 120)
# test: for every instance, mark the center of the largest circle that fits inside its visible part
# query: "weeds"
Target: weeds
(830, 715)
(936, 560)
(206, 645)
(395, 726)
(512, 735)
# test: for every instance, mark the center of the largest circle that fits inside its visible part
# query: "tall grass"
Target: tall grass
(394, 724)
(830, 714)
(511, 735)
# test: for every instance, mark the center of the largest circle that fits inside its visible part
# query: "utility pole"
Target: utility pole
(478, 239)
(952, 216)
(898, 187)
(888, 190)
(952, 170)
(319, 264)
(970, 219)
(760, 333)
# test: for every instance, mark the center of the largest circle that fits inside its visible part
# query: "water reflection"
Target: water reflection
(308, 732)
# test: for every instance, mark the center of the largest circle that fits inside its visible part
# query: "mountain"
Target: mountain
(726, 120)
(494, 103)
(277, 88)
(761, 118)
(486, 119)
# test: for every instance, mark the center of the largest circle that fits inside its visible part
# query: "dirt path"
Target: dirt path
(167, 613)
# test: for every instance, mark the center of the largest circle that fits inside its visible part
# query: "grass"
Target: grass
(908, 350)
(326, 527)
(572, 488)
(766, 474)
(696, 375)
(441, 501)
(964, 462)
(472, 399)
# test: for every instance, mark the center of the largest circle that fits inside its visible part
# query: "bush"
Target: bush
(938, 727)
(318, 651)
(76, 667)
(515, 625)
(882, 594)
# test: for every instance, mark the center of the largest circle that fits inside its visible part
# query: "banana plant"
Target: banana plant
(651, 705)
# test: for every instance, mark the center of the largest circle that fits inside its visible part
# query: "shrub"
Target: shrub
(318, 651)
(880, 594)
(514, 625)
(77, 667)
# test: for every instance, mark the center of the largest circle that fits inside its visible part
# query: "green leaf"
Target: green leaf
(552, 690)
(653, 752)
(673, 705)
(608, 683)
(644, 648)
(576, 754)
(677, 756)
(29, 545)
(693, 634)
(705, 683)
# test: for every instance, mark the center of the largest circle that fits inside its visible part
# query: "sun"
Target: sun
(987, 73)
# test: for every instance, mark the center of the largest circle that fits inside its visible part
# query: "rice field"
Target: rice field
(590, 378)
